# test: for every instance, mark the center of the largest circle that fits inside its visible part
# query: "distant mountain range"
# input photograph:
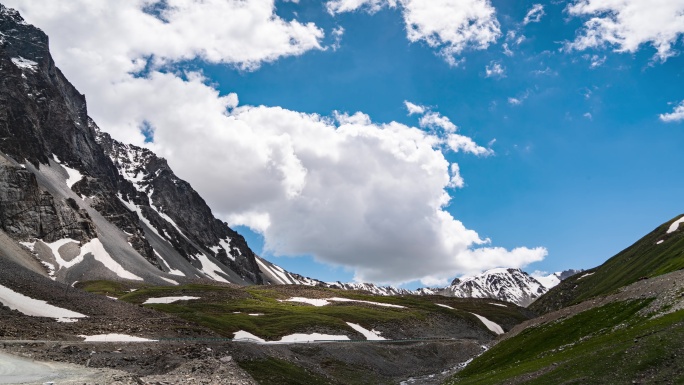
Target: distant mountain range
(510, 285)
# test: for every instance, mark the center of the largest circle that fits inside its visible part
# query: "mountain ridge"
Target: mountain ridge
(65, 185)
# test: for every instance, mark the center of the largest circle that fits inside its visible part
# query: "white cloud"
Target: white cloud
(506, 50)
(340, 6)
(534, 15)
(495, 70)
(414, 108)
(436, 120)
(459, 143)
(595, 60)
(450, 26)
(456, 178)
(513, 37)
(518, 100)
(628, 24)
(588, 115)
(109, 34)
(337, 34)
(344, 189)
(677, 115)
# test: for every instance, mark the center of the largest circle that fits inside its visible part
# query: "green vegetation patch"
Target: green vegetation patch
(108, 288)
(644, 259)
(605, 345)
(273, 371)
(262, 311)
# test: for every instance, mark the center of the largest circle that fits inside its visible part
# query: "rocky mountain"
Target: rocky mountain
(510, 285)
(87, 206)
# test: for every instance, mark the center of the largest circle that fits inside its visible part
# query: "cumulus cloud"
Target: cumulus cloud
(340, 6)
(414, 108)
(495, 70)
(344, 189)
(677, 115)
(455, 142)
(534, 15)
(436, 120)
(629, 24)
(450, 26)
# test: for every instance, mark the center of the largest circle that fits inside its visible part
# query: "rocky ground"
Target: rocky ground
(217, 362)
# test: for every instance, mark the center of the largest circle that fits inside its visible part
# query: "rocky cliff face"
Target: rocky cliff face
(64, 181)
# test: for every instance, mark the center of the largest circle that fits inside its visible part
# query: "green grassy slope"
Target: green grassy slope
(263, 311)
(644, 259)
(606, 345)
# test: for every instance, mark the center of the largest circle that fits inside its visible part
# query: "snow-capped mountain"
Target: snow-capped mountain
(510, 285)
(89, 207)
(552, 280)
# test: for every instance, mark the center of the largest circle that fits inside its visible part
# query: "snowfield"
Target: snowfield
(97, 250)
(35, 307)
(244, 336)
(675, 225)
(114, 338)
(493, 326)
(371, 335)
(168, 299)
(327, 301)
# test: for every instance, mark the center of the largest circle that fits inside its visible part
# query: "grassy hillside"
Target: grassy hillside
(655, 254)
(612, 344)
(264, 311)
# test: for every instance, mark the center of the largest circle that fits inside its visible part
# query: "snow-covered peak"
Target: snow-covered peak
(510, 285)
(551, 280)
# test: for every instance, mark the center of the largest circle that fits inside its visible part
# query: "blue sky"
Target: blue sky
(583, 187)
(582, 126)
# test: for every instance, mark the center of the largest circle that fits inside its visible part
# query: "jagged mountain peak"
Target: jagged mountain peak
(66, 182)
(510, 285)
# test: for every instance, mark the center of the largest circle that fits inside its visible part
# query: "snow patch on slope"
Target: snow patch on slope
(73, 174)
(371, 335)
(675, 225)
(244, 336)
(327, 301)
(114, 338)
(493, 326)
(97, 250)
(35, 307)
(210, 268)
(167, 300)
(25, 64)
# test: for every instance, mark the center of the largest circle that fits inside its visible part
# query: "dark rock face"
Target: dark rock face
(26, 211)
(43, 118)
(565, 274)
